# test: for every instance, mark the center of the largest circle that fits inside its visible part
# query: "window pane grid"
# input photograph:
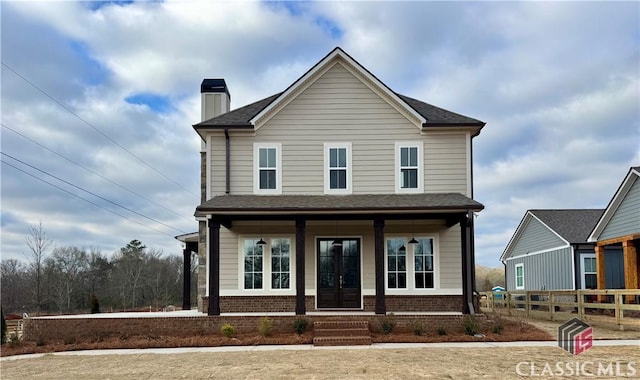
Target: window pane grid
(396, 264)
(267, 168)
(409, 167)
(423, 264)
(280, 260)
(337, 168)
(252, 264)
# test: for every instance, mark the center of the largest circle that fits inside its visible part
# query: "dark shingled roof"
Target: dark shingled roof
(573, 225)
(434, 115)
(357, 202)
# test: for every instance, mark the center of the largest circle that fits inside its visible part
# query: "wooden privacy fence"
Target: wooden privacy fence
(607, 306)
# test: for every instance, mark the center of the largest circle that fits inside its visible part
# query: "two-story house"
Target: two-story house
(336, 194)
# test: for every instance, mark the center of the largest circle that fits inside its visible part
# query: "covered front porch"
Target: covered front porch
(358, 253)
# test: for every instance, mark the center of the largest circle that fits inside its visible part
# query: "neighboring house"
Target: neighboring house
(619, 228)
(336, 194)
(549, 251)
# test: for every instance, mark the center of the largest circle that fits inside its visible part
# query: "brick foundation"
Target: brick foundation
(275, 304)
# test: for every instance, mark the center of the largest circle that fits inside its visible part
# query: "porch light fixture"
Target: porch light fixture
(261, 241)
(402, 248)
(413, 239)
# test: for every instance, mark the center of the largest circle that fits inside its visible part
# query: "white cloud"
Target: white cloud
(557, 83)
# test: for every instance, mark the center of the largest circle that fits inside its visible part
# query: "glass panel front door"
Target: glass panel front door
(338, 273)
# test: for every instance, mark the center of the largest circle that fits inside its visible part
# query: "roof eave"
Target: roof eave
(203, 128)
(435, 125)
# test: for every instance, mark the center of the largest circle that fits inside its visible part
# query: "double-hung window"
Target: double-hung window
(267, 163)
(337, 168)
(589, 273)
(409, 177)
(519, 268)
(411, 266)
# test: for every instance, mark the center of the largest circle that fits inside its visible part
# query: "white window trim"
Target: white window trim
(411, 286)
(583, 279)
(266, 267)
(515, 276)
(328, 146)
(256, 169)
(398, 176)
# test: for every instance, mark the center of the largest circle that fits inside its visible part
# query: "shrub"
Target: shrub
(442, 331)
(418, 327)
(470, 325)
(227, 330)
(300, 325)
(14, 340)
(4, 328)
(265, 326)
(387, 323)
(69, 339)
(497, 324)
(95, 305)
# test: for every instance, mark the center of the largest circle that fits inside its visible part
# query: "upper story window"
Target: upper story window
(337, 168)
(267, 173)
(409, 177)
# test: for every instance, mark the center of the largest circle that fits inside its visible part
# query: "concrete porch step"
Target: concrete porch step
(341, 333)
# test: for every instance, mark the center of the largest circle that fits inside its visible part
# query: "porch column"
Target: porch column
(600, 270)
(466, 240)
(300, 266)
(214, 268)
(186, 274)
(630, 267)
(378, 228)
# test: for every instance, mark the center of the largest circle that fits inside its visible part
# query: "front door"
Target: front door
(338, 273)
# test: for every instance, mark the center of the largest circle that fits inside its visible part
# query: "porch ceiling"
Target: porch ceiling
(356, 204)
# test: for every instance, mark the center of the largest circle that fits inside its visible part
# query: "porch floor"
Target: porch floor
(195, 313)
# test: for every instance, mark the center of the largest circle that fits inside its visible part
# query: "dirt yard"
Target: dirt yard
(373, 363)
(437, 363)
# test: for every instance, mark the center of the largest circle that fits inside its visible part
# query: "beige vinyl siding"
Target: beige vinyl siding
(339, 107)
(228, 259)
(445, 163)
(450, 258)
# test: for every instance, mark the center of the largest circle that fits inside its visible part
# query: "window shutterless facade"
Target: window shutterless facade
(589, 273)
(396, 264)
(337, 163)
(519, 269)
(268, 266)
(267, 172)
(408, 163)
(411, 267)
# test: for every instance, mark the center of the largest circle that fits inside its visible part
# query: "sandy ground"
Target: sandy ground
(393, 363)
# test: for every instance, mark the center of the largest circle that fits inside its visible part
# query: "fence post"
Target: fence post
(617, 295)
(552, 309)
(527, 304)
(508, 299)
(580, 300)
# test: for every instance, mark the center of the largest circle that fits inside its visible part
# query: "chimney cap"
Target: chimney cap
(214, 85)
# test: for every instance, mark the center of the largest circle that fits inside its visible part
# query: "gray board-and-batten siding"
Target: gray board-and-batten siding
(553, 270)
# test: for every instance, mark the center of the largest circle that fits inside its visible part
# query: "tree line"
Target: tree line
(66, 279)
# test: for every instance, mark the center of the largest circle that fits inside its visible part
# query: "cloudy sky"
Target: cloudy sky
(98, 100)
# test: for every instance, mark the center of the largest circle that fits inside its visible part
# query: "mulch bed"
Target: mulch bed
(513, 331)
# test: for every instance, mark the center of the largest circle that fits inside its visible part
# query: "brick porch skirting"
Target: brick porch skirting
(275, 304)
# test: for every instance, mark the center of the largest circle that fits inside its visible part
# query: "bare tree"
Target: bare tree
(70, 264)
(14, 284)
(38, 244)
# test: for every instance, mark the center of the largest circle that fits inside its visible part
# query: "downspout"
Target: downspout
(228, 161)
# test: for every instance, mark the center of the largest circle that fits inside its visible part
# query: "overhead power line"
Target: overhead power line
(94, 172)
(95, 128)
(92, 193)
(84, 199)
